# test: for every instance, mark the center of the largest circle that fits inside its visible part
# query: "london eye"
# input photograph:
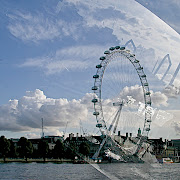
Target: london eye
(120, 86)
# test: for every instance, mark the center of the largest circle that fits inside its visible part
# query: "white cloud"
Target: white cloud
(158, 98)
(68, 59)
(176, 126)
(125, 24)
(36, 27)
(163, 7)
(171, 128)
(32, 135)
(136, 93)
(60, 6)
(172, 91)
(25, 114)
(48, 131)
(128, 23)
(58, 66)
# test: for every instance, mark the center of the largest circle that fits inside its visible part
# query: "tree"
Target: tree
(4, 147)
(25, 148)
(71, 151)
(43, 149)
(84, 148)
(12, 153)
(59, 149)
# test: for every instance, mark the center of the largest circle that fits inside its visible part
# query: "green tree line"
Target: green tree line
(25, 150)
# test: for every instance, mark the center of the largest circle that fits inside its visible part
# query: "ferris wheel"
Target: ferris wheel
(120, 86)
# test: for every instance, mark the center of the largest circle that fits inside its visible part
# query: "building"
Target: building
(176, 143)
(51, 140)
(158, 146)
(92, 141)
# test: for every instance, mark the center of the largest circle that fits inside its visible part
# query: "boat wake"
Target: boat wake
(108, 175)
(141, 173)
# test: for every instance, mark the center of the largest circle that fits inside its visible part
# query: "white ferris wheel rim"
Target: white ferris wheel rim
(110, 54)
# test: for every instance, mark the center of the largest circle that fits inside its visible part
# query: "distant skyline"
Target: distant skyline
(49, 50)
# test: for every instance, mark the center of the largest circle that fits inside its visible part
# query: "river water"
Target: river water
(129, 171)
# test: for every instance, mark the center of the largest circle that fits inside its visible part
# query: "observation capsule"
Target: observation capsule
(106, 52)
(149, 102)
(122, 48)
(96, 113)
(117, 47)
(94, 88)
(139, 68)
(96, 76)
(143, 76)
(99, 66)
(112, 48)
(136, 61)
(94, 100)
(102, 58)
(99, 125)
(145, 84)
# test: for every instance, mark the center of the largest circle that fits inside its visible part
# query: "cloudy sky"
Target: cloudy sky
(49, 50)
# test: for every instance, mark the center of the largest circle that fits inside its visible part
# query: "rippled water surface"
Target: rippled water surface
(128, 171)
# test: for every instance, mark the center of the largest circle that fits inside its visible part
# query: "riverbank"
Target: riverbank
(29, 160)
(41, 160)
